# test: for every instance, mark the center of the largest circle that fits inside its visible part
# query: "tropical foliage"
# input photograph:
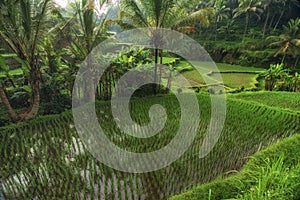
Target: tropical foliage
(288, 41)
(277, 73)
(23, 34)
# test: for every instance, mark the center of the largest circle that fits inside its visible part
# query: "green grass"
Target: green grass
(45, 159)
(284, 100)
(270, 174)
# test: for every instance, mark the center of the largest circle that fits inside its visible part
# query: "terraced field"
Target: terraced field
(234, 76)
(284, 100)
(45, 158)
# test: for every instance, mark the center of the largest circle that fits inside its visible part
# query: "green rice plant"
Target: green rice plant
(266, 174)
(138, 188)
(105, 186)
(118, 179)
(112, 184)
(271, 181)
(284, 100)
(132, 189)
(249, 127)
(126, 196)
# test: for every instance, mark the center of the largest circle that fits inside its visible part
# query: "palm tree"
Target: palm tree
(158, 14)
(150, 14)
(23, 25)
(266, 6)
(3, 97)
(88, 29)
(288, 41)
(245, 7)
(220, 13)
(283, 6)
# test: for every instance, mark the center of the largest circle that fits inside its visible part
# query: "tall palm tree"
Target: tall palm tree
(283, 6)
(247, 7)
(158, 14)
(88, 29)
(220, 13)
(23, 25)
(150, 14)
(266, 6)
(288, 41)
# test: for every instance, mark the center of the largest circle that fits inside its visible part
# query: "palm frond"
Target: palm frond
(203, 16)
(131, 6)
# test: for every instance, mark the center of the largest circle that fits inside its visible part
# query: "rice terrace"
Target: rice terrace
(150, 100)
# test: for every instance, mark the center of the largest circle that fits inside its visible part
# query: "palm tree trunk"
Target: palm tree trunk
(216, 27)
(271, 22)
(106, 85)
(283, 58)
(246, 26)
(169, 80)
(296, 62)
(78, 88)
(36, 102)
(155, 70)
(35, 77)
(266, 22)
(160, 70)
(12, 115)
(281, 14)
(90, 82)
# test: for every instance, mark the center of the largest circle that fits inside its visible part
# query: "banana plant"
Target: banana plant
(273, 74)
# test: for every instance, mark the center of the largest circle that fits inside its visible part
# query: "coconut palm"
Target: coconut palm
(247, 7)
(23, 25)
(288, 41)
(274, 7)
(266, 4)
(283, 6)
(220, 13)
(88, 29)
(151, 13)
(158, 14)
